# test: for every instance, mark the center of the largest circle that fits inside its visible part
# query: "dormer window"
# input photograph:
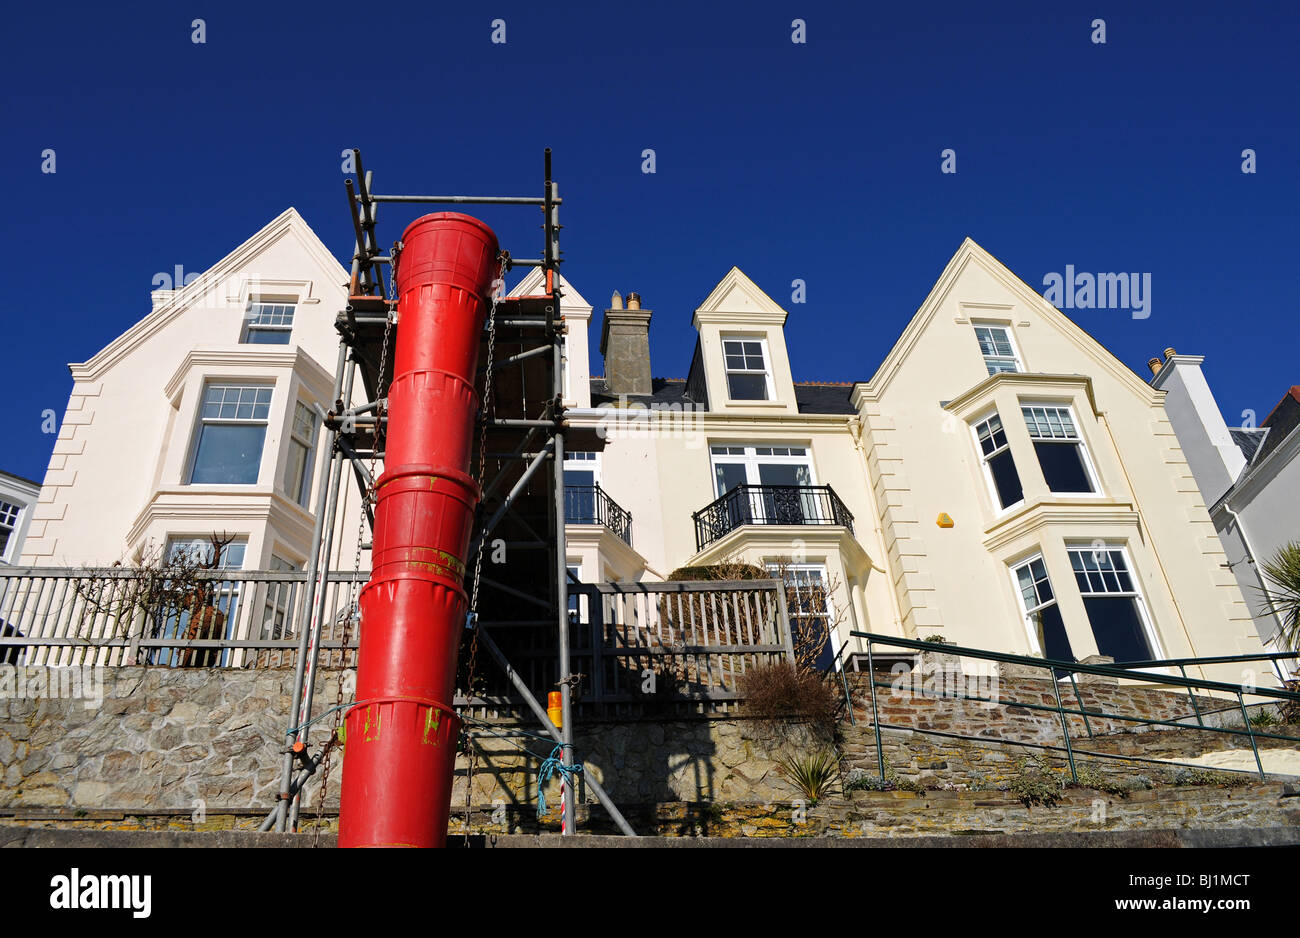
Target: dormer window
(748, 375)
(995, 345)
(268, 323)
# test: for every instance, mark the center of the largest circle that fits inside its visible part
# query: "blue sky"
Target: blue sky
(817, 161)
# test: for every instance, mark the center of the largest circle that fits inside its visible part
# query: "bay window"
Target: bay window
(1059, 449)
(230, 434)
(999, 465)
(1113, 602)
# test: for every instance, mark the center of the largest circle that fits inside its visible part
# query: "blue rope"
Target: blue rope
(550, 767)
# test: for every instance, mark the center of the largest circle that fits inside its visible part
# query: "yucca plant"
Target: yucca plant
(1282, 590)
(811, 774)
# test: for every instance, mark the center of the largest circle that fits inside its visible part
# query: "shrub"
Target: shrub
(862, 780)
(1209, 777)
(1091, 777)
(1263, 718)
(780, 691)
(811, 774)
(1036, 782)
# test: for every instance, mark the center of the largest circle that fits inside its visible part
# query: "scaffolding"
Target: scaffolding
(521, 516)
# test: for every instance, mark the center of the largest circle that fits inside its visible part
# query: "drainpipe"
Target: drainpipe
(1268, 595)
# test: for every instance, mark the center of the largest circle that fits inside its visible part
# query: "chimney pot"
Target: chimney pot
(1169, 353)
(616, 301)
(1155, 365)
(634, 301)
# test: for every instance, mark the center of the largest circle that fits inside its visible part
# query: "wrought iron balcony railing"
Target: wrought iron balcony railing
(769, 504)
(590, 504)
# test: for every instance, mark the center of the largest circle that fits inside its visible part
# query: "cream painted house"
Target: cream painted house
(1001, 480)
(200, 418)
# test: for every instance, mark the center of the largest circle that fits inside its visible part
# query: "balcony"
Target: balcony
(590, 504)
(769, 504)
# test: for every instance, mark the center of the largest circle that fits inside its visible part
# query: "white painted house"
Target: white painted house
(1001, 480)
(198, 419)
(1249, 476)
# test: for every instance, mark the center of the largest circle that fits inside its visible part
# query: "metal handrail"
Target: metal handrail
(769, 504)
(591, 504)
(1116, 671)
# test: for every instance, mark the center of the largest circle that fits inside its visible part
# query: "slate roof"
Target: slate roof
(813, 397)
(1248, 440)
(1281, 423)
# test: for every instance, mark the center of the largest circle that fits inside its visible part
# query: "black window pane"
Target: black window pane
(1055, 643)
(1063, 467)
(1005, 478)
(1117, 626)
(747, 387)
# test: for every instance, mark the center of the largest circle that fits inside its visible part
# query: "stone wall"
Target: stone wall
(1272, 806)
(172, 739)
(160, 738)
(923, 705)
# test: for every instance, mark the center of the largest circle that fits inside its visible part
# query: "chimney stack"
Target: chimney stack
(625, 345)
(1155, 364)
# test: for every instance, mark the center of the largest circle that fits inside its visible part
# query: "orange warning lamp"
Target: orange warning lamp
(555, 708)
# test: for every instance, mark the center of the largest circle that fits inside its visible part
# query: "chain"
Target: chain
(367, 498)
(498, 289)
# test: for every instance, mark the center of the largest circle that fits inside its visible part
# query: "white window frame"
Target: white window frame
(308, 443)
(1011, 341)
(773, 567)
(250, 327)
(227, 590)
(13, 525)
(768, 383)
(580, 461)
(200, 422)
(1027, 613)
(989, 483)
(751, 460)
(1144, 613)
(1088, 466)
(276, 601)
